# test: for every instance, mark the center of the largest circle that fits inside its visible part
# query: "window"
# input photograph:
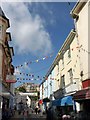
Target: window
(69, 53)
(0, 31)
(63, 81)
(57, 68)
(63, 61)
(70, 75)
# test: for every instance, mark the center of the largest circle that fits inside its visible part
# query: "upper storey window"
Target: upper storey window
(63, 81)
(70, 73)
(69, 53)
(1, 31)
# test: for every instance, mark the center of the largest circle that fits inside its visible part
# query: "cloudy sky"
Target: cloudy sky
(38, 29)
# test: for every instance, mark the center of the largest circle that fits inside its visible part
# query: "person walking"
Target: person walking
(36, 110)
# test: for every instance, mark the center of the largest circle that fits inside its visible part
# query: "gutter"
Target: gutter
(77, 8)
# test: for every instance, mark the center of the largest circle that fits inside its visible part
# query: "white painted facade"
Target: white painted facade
(79, 58)
(22, 97)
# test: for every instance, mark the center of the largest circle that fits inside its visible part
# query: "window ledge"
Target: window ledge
(62, 69)
(69, 61)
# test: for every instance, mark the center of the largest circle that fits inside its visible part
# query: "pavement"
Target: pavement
(30, 116)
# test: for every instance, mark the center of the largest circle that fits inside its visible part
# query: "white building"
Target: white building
(70, 70)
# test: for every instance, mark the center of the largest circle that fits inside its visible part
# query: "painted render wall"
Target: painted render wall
(71, 63)
(89, 38)
(82, 30)
(80, 57)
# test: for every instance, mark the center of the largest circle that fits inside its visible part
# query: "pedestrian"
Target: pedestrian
(36, 109)
(5, 113)
(39, 110)
(49, 114)
(25, 113)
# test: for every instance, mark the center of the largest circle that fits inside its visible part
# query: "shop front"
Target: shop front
(64, 105)
(83, 98)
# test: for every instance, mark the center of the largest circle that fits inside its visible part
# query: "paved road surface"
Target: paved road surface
(32, 116)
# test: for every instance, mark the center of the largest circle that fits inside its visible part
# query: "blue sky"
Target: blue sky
(37, 30)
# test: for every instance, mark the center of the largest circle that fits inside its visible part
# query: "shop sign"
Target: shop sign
(11, 79)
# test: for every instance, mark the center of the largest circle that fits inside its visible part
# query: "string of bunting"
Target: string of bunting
(31, 76)
(46, 57)
(81, 49)
(35, 61)
(27, 74)
(41, 78)
(21, 79)
(78, 47)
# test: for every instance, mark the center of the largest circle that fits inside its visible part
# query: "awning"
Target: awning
(56, 102)
(82, 94)
(63, 101)
(66, 101)
(46, 100)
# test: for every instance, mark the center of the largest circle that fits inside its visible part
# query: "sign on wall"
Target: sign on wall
(11, 79)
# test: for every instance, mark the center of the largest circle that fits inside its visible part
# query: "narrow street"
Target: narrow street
(32, 116)
(45, 60)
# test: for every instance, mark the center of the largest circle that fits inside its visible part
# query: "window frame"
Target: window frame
(63, 81)
(1, 31)
(70, 74)
(69, 53)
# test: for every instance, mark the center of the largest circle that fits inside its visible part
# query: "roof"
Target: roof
(2, 13)
(3, 16)
(77, 8)
(8, 36)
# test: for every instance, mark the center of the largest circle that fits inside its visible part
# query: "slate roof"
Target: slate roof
(3, 15)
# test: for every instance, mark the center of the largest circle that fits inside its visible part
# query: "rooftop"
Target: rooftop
(3, 16)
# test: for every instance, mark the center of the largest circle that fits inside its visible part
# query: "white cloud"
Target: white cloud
(28, 32)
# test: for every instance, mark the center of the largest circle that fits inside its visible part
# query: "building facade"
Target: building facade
(6, 67)
(70, 70)
(81, 15)
(31, 91)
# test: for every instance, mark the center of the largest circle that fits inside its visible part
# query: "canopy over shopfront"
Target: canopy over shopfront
(67, 100)
(82, 95)
(46, 100)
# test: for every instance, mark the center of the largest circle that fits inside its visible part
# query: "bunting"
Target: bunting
(46, 57)
(33, 77)
(20, 79)
(35, 61)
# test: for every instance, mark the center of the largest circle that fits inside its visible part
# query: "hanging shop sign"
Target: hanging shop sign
(11, 79)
